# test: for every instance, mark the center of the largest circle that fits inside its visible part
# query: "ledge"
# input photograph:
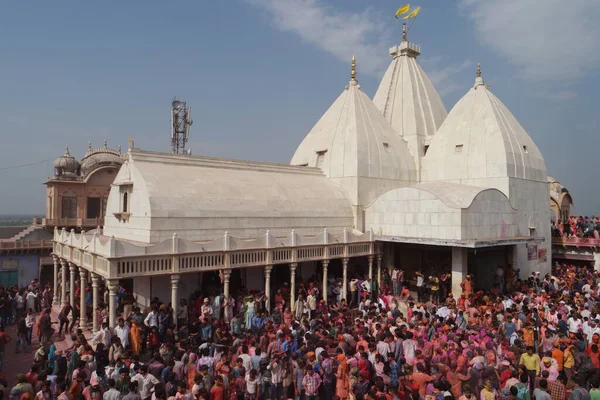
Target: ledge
(468, 243)
(122, 217)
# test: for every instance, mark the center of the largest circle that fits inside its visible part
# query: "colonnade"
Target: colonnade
(69, 271)
(60, 296)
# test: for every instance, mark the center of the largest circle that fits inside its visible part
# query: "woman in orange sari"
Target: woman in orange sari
(342, 383)
(192, 369)
(136, 339)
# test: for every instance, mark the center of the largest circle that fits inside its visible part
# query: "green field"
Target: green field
(16, 220)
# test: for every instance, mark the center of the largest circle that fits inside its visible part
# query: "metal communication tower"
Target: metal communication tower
(181, 121)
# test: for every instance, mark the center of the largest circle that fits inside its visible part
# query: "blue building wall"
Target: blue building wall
(28, 267)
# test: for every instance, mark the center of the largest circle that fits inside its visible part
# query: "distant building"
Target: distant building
(76, 199)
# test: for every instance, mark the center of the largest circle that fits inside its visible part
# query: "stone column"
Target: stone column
(63, 287)
(459, 269)
(82, 308)
(113, 286)
(371, 258)
(73, 268)
(175, 296)
(293, 267)
(268, 269)
(325, 268)
(226, 277)
(55, 301)
(379, 274)
(95, 285)
(345, 279)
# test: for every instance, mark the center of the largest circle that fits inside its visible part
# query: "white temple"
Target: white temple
(396, 181)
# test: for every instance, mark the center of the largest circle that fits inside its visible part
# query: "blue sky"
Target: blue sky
(259, 74)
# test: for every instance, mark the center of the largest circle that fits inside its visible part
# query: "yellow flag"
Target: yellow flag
(402, 10)
(413, 14)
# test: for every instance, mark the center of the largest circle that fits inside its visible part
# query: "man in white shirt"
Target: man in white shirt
(145, 382)
(591, 330)
(366, 287)
(246, 359)
(311, 301)
(122, 332)
(151, 320)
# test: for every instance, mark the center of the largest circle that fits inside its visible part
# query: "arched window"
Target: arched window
(125, 202)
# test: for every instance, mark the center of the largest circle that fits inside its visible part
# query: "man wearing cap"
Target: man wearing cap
(550, 365)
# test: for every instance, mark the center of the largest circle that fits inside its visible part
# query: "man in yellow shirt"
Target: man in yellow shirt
(531, 362)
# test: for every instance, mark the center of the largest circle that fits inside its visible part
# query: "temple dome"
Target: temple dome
(100, 157)
(481, 139)
(408, 100)
(353, 144)
(66, 164)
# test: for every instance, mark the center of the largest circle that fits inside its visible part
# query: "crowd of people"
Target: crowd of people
(531, 338)
(577, 226)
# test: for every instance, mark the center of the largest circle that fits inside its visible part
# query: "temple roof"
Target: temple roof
(352, 139)
(481, 138)
(406, 97)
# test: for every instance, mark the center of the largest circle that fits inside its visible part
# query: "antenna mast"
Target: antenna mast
(181, 120)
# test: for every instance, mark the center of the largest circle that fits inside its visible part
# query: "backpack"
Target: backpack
(523, 392)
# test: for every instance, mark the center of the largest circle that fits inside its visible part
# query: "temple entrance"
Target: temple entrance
(211, 283)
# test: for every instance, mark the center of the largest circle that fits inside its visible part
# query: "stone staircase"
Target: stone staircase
(25, 232)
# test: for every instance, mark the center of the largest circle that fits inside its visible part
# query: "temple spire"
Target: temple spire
(353, 70)
(404, 39)
(478, 70)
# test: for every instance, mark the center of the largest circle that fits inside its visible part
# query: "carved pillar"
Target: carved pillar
(55, 301)
(268, 269)
(379, 274)
(226, 278)
(371, 258)
(73, 269)
(63, 286)
(175, 296)
(459, 269)
(82, 307)
(345, 278)
(95, 285)
(325, 268)
(293, 267)
(113, 286)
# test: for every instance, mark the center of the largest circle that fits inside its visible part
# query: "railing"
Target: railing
(25, 244)
(116, 259)
(78, 222)
(576, 241)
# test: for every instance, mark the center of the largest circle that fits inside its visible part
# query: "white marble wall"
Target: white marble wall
(412, 212)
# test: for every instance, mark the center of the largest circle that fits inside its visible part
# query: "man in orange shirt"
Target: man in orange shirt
(421, 378)
(559, 356)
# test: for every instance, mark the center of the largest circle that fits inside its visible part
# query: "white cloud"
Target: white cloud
(443, 77)
(551, 40)
(337, 32)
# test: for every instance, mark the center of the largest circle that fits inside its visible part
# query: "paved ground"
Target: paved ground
(16, 363)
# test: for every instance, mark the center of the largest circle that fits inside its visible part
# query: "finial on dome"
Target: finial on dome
(404, 32)
(119, 149)
(353, 70)
(130, 141)
(105, 144)
(90, 145)
(479, 79)
(67, 151)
